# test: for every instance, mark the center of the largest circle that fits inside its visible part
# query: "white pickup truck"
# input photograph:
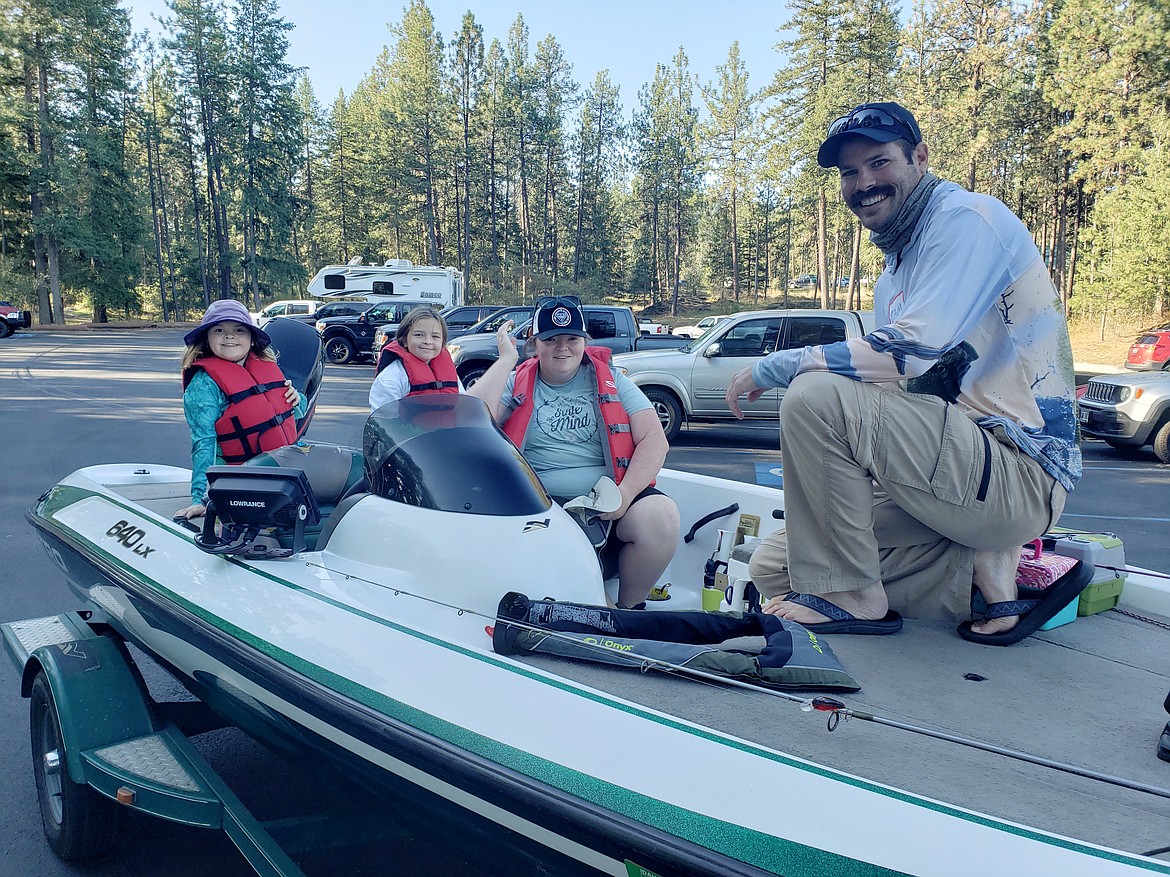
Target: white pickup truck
(648, 327)
(689, 384)
(699, 328)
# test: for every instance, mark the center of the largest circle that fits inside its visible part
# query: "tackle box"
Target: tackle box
(1105, 552)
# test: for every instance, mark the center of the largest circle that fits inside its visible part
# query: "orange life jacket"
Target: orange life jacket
(257, 417)
(619, 441)
(436, 376)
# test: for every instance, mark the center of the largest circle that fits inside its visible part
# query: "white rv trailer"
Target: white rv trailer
(396, 280)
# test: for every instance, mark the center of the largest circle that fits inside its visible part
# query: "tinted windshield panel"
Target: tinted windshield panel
(443, 452)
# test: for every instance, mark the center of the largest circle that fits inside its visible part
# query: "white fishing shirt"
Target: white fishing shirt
(969, 288)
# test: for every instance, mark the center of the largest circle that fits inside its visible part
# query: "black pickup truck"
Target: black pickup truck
(351, 337)
(608, 326)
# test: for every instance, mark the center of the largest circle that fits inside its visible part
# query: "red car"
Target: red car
(1151, 352)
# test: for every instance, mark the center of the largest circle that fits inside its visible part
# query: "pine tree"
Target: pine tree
(729, 141)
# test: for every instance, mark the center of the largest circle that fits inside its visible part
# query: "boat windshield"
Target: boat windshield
(443, 452)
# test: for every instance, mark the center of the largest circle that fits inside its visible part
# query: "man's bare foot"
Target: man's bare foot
(995, 577)
(869, 604)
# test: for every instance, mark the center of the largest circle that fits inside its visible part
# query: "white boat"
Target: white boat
(369, 644)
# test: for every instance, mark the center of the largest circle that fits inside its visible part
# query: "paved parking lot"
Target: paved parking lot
(71, 399)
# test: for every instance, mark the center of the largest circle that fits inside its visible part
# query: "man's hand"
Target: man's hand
(743, 382)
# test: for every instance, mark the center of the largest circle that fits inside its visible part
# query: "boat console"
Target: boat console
(253, 506)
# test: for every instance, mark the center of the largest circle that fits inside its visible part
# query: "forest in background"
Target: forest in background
(149, 178)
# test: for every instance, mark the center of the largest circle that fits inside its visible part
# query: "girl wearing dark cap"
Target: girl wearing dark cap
(575, 420)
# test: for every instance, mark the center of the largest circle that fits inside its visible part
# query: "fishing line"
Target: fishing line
(836, 709)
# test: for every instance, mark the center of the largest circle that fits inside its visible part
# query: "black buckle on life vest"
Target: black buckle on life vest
(432, 385)
(242, 435)
(255, 390)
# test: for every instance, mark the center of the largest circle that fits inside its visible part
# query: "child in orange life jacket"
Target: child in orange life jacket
(235, 397)
(417, 362)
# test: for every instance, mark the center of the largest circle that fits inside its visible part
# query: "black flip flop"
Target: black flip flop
(1033, 613)
(841, 621)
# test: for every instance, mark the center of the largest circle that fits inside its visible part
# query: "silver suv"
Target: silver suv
(1129, 411)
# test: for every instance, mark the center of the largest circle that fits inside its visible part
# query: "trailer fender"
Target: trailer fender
(99, 695)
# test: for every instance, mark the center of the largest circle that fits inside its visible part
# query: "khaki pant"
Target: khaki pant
(883, 486)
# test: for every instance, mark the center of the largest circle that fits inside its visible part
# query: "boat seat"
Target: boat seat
(333, 472)
(331, 469)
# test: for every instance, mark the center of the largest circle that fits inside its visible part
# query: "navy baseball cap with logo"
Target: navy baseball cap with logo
(559, 315)
(881, 122)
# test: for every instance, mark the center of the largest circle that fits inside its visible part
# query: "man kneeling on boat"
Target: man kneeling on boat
(901, 497)
(576, 420)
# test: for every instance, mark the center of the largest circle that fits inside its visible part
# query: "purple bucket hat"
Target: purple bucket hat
(227, 310)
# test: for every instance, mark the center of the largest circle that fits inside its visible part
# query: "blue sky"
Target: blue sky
(338, 41)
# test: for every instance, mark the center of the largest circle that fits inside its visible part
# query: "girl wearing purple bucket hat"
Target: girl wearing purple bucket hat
(235, 397)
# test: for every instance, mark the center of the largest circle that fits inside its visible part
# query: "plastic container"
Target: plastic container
(1102, 593)
(1107, 554)
(1066, 615)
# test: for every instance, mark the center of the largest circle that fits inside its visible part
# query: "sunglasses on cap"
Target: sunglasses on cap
(547, 302)
(868, 117)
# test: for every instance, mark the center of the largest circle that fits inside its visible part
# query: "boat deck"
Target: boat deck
(1088, 694)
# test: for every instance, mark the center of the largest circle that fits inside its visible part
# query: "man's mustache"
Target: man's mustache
(855, 201)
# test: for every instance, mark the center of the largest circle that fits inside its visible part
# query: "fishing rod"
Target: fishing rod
(836, 709)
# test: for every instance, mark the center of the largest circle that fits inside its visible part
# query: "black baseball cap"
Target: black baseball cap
(881, 122)
(559, 315)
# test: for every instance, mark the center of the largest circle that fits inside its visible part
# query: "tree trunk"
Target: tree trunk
(158, 223)
(196, 210)
(855, 268)
(36, 205)
(822, 245)
(52, 256)
(734, 248)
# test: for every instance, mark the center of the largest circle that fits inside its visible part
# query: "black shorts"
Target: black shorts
(608, 554)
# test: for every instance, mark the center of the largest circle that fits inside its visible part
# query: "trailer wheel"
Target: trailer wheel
(669, 412)
(339, 349)
(79, 823)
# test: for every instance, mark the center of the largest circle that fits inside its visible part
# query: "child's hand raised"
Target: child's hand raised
(505, 343)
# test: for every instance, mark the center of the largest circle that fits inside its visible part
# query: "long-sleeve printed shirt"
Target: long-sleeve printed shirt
(968, 312)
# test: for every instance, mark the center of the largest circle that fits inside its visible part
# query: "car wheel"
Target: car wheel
(339, 350)
(1162, 442)
(471, 375)
(79, 823)
(5, 329)
(670, 413)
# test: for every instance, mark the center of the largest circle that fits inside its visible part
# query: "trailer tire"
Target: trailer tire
(669, 412)
(339, 349)
(79, 823)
